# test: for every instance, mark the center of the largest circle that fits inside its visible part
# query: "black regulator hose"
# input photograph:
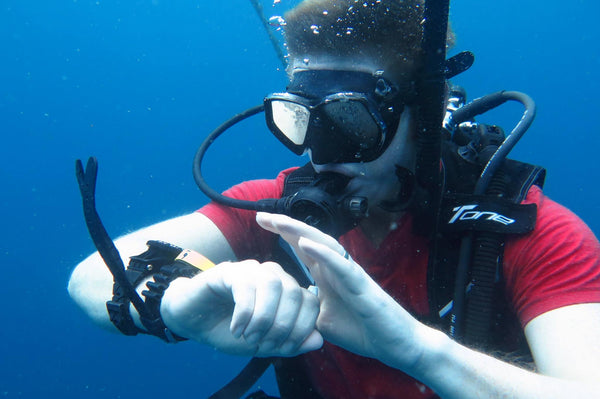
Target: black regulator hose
(474, 108)
(264, 205)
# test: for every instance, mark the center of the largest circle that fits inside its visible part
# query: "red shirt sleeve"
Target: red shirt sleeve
(247, 239)
(556, 265)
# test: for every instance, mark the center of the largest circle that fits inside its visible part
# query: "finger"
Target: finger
(286, 318)
(267, 298)
(244, 299)
(215, 295)
(282, 224)
(291, 230)
(255, 291)
(313, 342)
(343, 271)
(303, 328)
(264, 220)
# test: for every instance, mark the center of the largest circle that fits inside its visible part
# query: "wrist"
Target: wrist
(141, 287)
(173, 304)
(434, 348)
(186, 265)
(151, 273)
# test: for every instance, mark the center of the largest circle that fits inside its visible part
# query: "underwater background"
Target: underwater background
(138, 84)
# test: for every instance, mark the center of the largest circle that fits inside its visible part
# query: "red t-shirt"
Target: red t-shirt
(555, 265)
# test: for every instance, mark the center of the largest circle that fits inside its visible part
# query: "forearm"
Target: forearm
(91, 283)
(454, 371)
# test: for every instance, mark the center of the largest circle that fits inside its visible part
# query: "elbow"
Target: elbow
(90, 286)
(75, 287)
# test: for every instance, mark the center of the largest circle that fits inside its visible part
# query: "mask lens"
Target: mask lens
(354, 124)
(291, 119)
(340, 127)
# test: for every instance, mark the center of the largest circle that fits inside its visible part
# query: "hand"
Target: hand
(244, 308)
(356, 313)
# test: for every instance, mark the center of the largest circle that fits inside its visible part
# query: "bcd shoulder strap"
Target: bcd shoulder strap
(494, 215)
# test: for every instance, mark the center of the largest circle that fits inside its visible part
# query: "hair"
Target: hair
(383, 34)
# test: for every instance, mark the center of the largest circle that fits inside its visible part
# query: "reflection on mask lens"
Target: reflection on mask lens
(291, 119)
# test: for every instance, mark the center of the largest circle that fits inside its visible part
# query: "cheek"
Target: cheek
(402, 150)
(375, 188)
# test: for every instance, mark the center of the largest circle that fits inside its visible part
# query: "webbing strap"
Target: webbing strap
(244, 380)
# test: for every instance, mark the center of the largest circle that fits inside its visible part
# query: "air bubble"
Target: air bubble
(277, 21)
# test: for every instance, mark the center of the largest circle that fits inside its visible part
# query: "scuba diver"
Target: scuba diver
(408, 259)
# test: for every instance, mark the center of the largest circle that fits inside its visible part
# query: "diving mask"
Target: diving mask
(336, 116)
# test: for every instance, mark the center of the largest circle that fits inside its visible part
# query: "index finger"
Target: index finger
(291, 230)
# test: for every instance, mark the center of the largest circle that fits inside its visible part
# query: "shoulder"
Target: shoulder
(251, 190)
(556, 227)
(555, 265)
(556, 221)
(254, 190)
(239, 226)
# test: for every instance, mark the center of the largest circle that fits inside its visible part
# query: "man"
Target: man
(370, 287)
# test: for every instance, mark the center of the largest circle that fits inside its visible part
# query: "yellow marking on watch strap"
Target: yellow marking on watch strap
(195, 259)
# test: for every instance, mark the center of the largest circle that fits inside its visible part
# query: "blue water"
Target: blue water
(139, 84)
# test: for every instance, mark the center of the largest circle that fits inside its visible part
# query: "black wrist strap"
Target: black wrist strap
(140, 267)
(154, 294)
(165, 262)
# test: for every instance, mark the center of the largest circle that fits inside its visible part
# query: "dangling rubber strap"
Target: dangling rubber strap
(104, 244)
